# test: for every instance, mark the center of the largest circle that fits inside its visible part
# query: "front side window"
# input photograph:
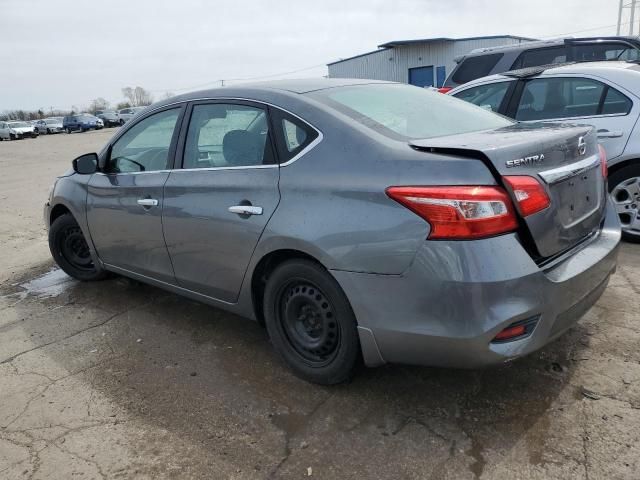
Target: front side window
(406, 112)
(549, 98)
(605, 51)
(145, 146)
(227, 135)
(488, 96)
(541, 56)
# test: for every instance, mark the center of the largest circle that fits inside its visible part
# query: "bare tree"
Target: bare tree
(138, 96)
(98, 104)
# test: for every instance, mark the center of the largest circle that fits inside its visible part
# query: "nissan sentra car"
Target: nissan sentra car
(357, 220)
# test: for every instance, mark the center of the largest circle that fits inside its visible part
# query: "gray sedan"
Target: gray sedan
(356, 220)
(603, 94)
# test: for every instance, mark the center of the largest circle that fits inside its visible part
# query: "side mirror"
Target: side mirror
(86, 164)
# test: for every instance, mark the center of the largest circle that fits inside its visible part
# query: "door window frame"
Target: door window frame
(105, 155)
(512, 108)
(508, 95)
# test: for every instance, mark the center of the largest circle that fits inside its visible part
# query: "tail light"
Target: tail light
(445, 89)
(603, 161)
(530, 195)
(459, 212)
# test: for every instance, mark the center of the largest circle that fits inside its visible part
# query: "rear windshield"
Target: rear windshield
(405, 112)
(475, 67)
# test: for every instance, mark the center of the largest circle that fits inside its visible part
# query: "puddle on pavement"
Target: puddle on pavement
(51, 284)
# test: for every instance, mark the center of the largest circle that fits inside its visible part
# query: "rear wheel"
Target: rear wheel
(624, 186)
(12, 136)
(310, 322)
(71, 251)
(68, 130)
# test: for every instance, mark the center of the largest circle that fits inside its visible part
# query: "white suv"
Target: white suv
(127, 114)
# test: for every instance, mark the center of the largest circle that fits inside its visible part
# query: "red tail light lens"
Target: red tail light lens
(459, 212)
(530, 195)
(603, 161)
(510, 332)
(444, 89)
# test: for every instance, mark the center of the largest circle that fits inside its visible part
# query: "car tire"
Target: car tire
(624, 187)
(71, 252)
(68, 130)
(12, 136)
(121, 122)
(310, 322)
(48, 131)
(37, 130)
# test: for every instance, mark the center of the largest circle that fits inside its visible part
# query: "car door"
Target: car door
(218, 204)
(125, 199)
(578, 99)
(4, 130)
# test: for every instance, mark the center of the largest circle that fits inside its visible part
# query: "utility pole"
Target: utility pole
(632, 6)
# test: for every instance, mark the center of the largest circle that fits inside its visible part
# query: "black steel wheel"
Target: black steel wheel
(70, 250)
(310, 322)
(307, 319)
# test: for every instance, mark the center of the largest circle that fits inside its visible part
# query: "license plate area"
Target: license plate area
(577, 197)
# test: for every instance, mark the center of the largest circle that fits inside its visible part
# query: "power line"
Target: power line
(239, 79)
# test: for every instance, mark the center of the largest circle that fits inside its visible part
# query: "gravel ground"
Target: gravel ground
(117, 379)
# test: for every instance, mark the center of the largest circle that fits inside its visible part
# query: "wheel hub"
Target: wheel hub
(307, 318)
(75, 250)
(626, 198)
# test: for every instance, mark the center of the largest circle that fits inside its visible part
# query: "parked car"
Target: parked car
(127, 114)
(109, 117)
(489, 61)
(603, 94)
(49, 125)
(354, 218)
(13, 130)
(81, 123)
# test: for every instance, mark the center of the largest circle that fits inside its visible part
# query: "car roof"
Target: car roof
(287, 87)
(605, 69)
(547, 43)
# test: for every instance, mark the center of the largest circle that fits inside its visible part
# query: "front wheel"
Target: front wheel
(310, 322)
(68, 130)
(70, 250)
(624, 187)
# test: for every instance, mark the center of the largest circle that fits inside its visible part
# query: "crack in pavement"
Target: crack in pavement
(97, 325)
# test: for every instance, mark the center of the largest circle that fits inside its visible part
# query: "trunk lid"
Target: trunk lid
(564, 158)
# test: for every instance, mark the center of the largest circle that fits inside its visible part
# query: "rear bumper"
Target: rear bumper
(446, 309)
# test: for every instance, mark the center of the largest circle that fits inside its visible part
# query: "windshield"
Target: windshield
(52, 120)
(407, 112)
(18, 124)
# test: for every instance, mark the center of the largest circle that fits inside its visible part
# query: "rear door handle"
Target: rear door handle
(609, 134)
(148, 202)
(246, 210)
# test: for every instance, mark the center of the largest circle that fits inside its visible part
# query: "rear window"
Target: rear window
(475, 67)
(406, 112)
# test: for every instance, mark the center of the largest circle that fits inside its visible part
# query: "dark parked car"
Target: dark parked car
(80, 123)
(489, 61)
(355, 219)
(109, 117)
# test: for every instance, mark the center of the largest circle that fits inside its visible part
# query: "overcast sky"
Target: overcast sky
(67, 52)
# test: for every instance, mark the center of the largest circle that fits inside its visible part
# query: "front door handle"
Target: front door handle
(246, 210)
(148, 202)
(609, 134)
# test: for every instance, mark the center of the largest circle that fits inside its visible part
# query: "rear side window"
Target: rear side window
(224, 135)
(549, 98)
(488, 96)
(406, 112)
(541, 56)
(472, 68)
